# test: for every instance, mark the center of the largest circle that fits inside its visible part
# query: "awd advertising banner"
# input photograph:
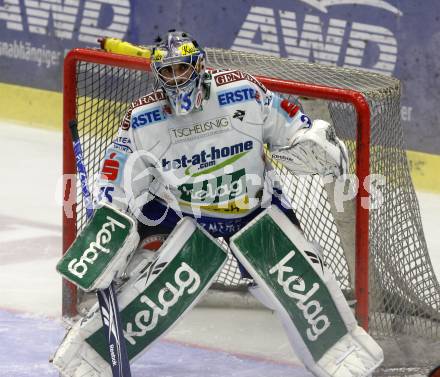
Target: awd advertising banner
(392, 37)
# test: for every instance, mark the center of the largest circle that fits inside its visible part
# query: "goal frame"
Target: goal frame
(355, 98)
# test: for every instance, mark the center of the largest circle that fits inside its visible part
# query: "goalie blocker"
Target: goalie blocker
(101, 251)
(294, 281)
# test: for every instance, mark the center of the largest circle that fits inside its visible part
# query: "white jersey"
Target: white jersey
(208, 164)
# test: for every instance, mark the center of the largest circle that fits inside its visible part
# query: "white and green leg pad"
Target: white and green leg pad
(295, 282)
(150, 303)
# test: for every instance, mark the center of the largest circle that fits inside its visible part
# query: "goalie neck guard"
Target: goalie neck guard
(178, 64)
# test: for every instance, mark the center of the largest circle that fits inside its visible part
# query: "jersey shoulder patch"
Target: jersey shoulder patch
(222, 78)
(148, 99)
(143, 106)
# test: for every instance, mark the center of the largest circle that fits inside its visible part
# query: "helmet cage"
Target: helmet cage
(178, 64)
(188, 72)
(183, 88)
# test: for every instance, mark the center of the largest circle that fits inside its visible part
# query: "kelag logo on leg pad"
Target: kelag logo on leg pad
(294, 287)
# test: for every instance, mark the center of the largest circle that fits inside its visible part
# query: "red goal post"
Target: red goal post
(353, 97)
(397, 293)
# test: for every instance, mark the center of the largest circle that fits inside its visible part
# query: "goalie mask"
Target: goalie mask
(179, 65)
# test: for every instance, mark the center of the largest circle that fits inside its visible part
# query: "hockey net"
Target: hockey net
(396, 291)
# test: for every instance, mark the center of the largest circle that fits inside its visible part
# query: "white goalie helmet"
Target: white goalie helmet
(178, 64)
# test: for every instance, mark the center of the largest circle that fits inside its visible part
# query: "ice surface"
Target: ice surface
(231, 342)
(27, 342)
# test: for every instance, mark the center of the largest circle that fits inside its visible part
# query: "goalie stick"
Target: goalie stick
(108, 304)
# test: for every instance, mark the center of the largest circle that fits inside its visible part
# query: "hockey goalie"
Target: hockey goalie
(187, 167)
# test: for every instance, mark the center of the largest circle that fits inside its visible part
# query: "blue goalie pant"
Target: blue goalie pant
(217, 227)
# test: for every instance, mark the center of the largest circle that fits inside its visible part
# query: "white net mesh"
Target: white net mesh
(404, 293)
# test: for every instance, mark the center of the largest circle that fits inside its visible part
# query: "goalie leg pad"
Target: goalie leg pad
(319, 323)
(152, 302)
(74, 357)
